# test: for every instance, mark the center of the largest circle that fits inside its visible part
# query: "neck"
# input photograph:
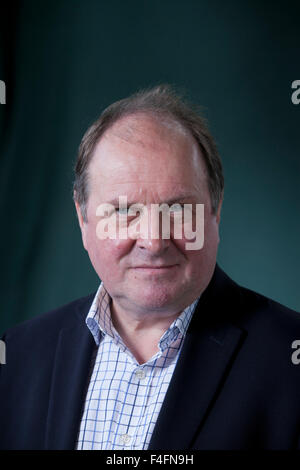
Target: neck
(141, 322)
(141, 332)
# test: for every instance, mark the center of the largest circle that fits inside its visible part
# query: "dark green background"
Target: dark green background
(64, 61)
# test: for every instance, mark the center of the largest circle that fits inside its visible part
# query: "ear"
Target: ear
(82, 224)
(218, 214)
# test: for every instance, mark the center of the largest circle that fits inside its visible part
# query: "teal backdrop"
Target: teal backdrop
(64, 61)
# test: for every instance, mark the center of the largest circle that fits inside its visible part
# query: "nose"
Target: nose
(153, 246)
(151, 238)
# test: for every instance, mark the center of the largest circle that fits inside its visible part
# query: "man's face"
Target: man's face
(149, 163)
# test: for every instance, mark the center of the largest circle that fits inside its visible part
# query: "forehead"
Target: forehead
(141, 153)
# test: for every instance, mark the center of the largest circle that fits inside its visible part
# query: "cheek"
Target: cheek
(106, 255)
(198, 259)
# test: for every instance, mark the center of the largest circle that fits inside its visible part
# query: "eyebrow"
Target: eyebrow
(181, 197)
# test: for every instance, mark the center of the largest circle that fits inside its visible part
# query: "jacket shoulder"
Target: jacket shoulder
(265, 321)
(268, 309)
(248, 307)
(64, 316)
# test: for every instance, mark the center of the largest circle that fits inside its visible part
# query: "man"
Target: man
(169, 353)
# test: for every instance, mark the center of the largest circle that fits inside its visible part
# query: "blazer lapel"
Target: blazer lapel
(207, 354)
(69, 385)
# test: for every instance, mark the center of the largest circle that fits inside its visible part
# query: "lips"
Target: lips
(155, 267)
(149, 270)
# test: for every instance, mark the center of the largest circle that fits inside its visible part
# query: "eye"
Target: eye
(122, 210)
(176, 207)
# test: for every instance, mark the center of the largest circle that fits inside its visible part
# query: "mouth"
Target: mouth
(155, 269)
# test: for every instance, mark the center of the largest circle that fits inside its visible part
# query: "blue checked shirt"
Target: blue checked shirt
(124, 397)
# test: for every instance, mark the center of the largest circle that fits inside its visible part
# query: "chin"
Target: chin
(156, 298)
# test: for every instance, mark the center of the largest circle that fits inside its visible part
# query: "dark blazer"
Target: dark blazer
(234, 385)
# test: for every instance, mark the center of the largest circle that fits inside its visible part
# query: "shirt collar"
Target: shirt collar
(99, 322)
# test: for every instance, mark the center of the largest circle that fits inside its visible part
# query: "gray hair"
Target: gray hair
(164, 103)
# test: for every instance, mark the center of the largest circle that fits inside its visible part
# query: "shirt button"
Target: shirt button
(140, 374)
(125, 438)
